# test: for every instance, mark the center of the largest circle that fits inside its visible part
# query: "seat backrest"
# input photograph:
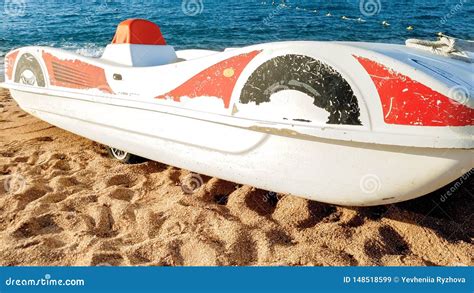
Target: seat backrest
(139, 43)
(139, 32)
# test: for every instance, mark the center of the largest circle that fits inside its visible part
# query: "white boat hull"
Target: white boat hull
(342, 123)
(327, 170)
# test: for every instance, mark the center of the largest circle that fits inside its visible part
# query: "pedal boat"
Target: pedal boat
(338, 122)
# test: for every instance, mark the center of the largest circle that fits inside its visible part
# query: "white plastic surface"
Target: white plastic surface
(139, 55)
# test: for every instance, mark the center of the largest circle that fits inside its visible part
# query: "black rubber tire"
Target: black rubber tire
(29, 62)
(124, 157)
(305, 74)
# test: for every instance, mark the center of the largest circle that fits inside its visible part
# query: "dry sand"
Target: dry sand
(78, 207)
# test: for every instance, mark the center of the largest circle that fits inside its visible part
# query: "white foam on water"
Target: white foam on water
(87, 49)
(90, 52)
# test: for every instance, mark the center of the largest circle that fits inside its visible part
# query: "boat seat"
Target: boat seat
(139, 43)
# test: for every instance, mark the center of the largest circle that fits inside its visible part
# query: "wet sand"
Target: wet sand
(66, 203)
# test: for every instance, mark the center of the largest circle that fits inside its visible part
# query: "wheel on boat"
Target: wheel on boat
(124, 157)
(29, 71)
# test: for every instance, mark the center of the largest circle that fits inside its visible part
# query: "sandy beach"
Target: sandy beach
(64, 202)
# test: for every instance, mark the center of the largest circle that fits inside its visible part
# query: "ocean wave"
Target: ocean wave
(87, 50)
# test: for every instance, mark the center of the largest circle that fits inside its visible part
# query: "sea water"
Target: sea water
(87, 26)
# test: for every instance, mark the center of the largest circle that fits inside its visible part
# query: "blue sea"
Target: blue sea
(88, 26)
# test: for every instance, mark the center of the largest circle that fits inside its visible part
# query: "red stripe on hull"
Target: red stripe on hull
(408, 102)
(216, 81)
(75, 74)
(10, 63)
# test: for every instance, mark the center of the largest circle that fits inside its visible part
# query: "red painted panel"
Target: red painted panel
(138, 31)
(75, 74)
(10, 63)
(216, 81)
(408, 102)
